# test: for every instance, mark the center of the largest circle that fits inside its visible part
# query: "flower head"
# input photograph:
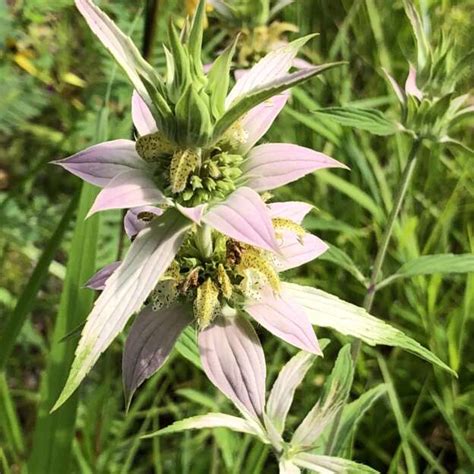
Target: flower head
(216, 283)
(191, 182)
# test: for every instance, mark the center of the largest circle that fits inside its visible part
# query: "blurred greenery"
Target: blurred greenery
(54, 78)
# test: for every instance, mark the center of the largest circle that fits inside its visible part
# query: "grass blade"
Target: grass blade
(52, 439)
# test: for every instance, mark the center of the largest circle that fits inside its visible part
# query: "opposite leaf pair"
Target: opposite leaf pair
(301, 452)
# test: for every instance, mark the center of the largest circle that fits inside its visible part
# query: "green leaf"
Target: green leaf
(352, 414)
(51, 449)
(182, 76)
(371, 120)
(423, 47)
(187, 346)
(195, 34)
(431, 264)
(326, 310)
(354, 192)
(340, 258)
(261, 94)
(27, 299)
(218, 79)
(192, 118)
(210, 420)
(335, 392)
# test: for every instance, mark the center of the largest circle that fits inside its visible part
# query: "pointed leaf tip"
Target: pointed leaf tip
(149, 256)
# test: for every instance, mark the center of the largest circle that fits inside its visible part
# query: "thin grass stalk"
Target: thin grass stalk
(27, 300)
(54, 432)
(378, 263)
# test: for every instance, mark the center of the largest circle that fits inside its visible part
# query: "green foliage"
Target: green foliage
(420, 420)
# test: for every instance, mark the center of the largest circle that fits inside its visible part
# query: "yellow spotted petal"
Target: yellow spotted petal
(224, 281)
(206, 304)
(281, 223)
(254, 259)
(184, 162)
(152, 146)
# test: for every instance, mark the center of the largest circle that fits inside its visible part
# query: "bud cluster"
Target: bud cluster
(230, 274)
(191, 175)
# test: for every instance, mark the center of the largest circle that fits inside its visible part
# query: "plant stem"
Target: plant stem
(149, 31)
(387, 235)
(204, 241)
(378, 263)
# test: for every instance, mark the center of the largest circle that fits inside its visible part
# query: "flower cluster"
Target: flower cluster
(207, 243)
(430, 109)
(207, 247)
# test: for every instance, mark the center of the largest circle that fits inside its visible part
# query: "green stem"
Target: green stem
(204, 241)
(378, 263)
(399, 198)
(387, 235)
(150, 28)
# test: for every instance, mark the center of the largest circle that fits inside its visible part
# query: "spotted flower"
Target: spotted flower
(193, 172)
(217, 287)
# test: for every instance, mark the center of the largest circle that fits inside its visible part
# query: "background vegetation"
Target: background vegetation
(60, 92)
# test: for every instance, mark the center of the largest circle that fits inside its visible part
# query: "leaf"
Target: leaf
(340, 258)
(335, 392)
(218, 79)
(187, 346)
(371, 120)
(53, 435)
(211, 420)
(431, 264)
(329, 311)
(27, 300)
(233, 359)
(120, 47)
(330, 465)
(354, 192)
(352, 414)
(125, 291)
(264, 92)
(283, 390)
(423, 47)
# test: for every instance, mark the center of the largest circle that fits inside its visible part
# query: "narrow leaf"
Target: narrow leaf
(326, 310)
(26, 301)
(335, 393)
(352, 414)
(210, 420)
(371, 120)
(283, 390)
(125, 291)
(53, 435)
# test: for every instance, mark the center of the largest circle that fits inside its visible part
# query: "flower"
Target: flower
(219, 285)
(303, 450)
(196, 166)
